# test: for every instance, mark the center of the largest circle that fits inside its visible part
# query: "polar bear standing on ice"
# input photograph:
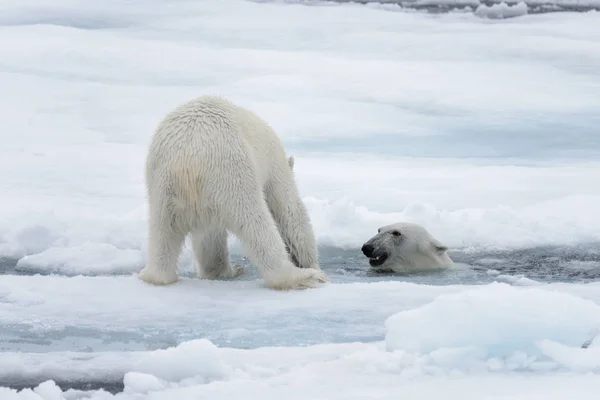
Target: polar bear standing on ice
(214, 167)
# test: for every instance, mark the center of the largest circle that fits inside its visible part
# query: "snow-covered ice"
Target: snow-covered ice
(484, 130)
(447, 336)
(484, 319)
(94, 258)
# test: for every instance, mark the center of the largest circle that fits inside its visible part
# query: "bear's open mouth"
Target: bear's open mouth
(377, 261)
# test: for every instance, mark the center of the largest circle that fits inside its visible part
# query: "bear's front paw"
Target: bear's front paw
(153, 277)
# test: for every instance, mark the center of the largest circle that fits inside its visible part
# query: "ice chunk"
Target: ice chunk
(196, 359)
(138, 382)
(499, 319)
(576, 359)
(502, 10)
(49, 391)
(516, 280)
(87, 259)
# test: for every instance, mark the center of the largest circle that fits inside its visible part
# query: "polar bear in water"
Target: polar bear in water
(405, 247)
(212, 168)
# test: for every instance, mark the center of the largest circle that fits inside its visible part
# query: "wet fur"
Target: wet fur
(213, 168)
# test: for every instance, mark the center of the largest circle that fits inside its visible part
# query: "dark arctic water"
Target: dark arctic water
(546, 264)
(445, 6)
(574, 264)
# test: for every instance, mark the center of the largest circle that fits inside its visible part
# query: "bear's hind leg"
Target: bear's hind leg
(165, 241)
(294, 225)
(212, 255)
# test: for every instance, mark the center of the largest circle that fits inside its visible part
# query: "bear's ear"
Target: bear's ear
(291, 162)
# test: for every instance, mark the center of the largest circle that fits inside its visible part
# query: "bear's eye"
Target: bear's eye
(396, 233)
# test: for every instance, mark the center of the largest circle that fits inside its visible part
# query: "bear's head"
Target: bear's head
(405, 246)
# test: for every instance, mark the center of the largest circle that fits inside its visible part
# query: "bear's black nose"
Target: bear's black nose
(367, 250)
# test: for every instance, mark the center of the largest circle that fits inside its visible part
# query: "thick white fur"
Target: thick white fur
(413, 250)
(214, 167)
